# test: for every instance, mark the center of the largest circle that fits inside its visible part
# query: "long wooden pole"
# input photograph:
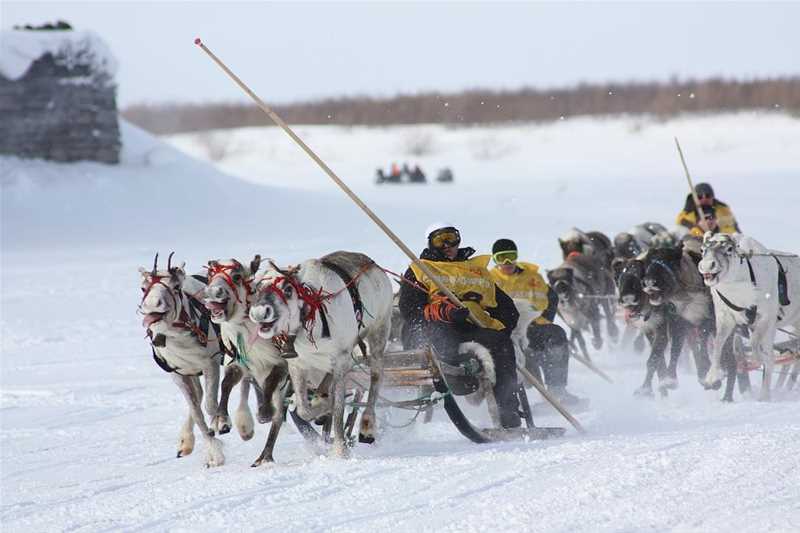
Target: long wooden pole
(592, 367)
(331, 174)
(700, 213)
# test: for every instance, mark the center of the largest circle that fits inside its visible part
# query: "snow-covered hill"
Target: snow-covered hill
(88, 423)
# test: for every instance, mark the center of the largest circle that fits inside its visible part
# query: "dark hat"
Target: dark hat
(503, 245)
(704, 189)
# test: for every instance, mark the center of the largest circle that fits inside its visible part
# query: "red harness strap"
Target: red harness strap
(225, 272)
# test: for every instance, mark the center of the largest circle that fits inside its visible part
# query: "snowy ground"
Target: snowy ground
(88, 423)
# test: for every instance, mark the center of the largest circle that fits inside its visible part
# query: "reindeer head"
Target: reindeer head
(277, 307)
(161, 297)
(660, 280)
(562, 281)
(228, 292)
(628, 275)
(718, 253)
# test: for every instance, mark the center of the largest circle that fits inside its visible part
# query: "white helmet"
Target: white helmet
(436, 226)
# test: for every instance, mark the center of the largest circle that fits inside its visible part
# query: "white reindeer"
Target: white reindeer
(227, 296)
(744, 278)
(328, 306)
(183, 349)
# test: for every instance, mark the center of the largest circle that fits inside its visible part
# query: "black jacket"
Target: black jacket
(414, 295)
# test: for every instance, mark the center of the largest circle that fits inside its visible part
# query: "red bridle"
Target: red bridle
(154, 280)
(225, 272)
(314, 300)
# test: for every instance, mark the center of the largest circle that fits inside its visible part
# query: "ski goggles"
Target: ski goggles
(445, 237)
(506, 257)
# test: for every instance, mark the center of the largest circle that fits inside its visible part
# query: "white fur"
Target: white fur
(258, 357)
(486, 381)
(724, 258)
(334, 353)
(184, 352)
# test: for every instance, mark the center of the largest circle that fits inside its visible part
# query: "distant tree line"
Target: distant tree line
(478, 106)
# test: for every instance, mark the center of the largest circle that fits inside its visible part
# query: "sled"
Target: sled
(432, 382)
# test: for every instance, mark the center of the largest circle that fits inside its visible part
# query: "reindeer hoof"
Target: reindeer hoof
(716, 385)
(669, 384)
(366, 439)
(262, 461)
(644, 392)
(727, 399)
(225, 429)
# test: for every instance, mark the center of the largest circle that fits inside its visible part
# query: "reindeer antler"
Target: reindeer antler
(288, 272)
(155, 264)
(276, 267)
(169, 261)
(254, 264)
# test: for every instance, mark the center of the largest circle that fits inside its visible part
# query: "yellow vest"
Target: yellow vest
(469, 280)
(725, 220)
(527, 285)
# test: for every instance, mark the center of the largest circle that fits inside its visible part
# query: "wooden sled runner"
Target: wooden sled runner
(422, 371)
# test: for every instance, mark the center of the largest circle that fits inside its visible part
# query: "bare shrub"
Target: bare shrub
(490, 147)
(419, 143)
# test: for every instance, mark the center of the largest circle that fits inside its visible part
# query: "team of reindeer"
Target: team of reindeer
(238, 317)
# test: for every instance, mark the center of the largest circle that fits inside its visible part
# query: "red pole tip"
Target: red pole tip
(197, 41)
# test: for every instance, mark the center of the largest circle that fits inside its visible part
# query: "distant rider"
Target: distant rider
(721, 220)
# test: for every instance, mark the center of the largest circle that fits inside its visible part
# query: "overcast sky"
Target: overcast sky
(297, 51)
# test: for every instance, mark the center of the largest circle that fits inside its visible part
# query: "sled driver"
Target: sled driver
(548, 351)
(721, 219)
(431, 319)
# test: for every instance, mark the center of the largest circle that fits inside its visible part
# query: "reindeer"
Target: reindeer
(227, 297)
(752, 287)
(578, 301)
(590, 254)
(652, 322)
(325, 308)
(173, 319)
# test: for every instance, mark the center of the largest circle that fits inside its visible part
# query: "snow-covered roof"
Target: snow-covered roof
(20, 48)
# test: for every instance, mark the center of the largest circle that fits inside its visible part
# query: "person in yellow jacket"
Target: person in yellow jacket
(431, 319)
(548, 351)
(718, 216)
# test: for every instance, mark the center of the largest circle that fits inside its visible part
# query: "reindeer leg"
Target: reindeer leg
(186, 439)
(303, 406)
(678, 329)
(655, 363)
(377, 345)
(597, 338)
(611, 324)
(725, 327)
(211, 378)
(243, 420)
(272, 384)
(189, 387)
(263, 410)
(729, 363)
(763, 339)
(340, 362)
(221, 421)
(700, 352)
(581, 344)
